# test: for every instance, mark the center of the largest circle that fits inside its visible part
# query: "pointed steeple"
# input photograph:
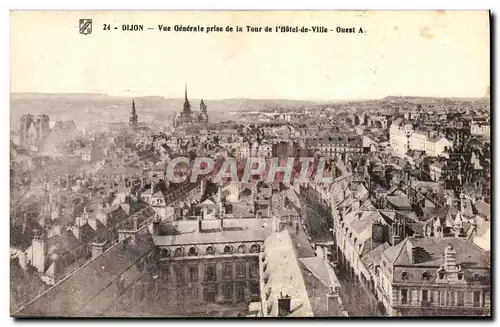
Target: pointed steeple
(187, 106)
(133, 116)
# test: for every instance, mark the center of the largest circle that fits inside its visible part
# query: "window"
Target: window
(254, 289)
(228, 270)
(211, 274)
(240, 291)
(240, 269)
(179, 276)
(254, 248)
(426, 275)
(210, 250)
(477, 299)
(193, 273)
(404, 296)
(460, 276)
(209, 295)
(404, 275)
(451, 298)
(460, 298)
(178, 252)
(241, 249)
(192, 251)
(442, 298)
(441, 275)
(254, 269)
(476, 276)
(227, 291)
(425, 295)
(228, 249)
(164, 274)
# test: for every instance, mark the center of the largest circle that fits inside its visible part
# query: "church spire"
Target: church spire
(187, 106)
(133, 117)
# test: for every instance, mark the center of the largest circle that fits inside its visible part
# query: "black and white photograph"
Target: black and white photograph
(250, 164)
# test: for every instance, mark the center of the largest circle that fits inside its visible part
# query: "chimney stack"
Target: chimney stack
(97, 248)
(283, 305)
(156, 227)
(136, 223)
(450, 257)
(414, 255)
(199, 225)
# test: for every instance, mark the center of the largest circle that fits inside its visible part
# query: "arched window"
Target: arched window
(228, 249)
(426, 275)
(241, 249)
(460, 276)
(441, 274)
(255, 248)
(192, 251)
(210, 250)
(178, 252)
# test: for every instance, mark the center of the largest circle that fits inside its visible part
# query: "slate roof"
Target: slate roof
(74, 295)
(235, 230)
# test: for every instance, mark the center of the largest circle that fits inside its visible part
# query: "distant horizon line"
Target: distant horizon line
(250, 98)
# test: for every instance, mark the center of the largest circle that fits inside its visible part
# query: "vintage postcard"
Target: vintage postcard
(250, 164)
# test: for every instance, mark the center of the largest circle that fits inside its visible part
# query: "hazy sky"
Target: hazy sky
(400, 53)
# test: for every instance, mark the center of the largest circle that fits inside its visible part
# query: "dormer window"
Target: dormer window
(426, 275)
(441, 274)
(210, 250)
(476, 276)
(241, 249)
(404, 275)
(254, 248)
(178, 252)
(228, 249)
(165, 253)
(460, 276)
(192, 251)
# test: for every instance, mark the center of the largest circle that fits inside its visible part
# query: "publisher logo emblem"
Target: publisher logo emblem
(85, 26)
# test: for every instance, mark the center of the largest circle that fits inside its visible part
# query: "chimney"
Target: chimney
(414, 255)
(450, 257)
(136, 222)
(297, 227)
(199, 225)
(156, 227)
(222, 222)
(153, 186)
(377, 234)
(97, 248)
(283, 305)
(76, 231)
